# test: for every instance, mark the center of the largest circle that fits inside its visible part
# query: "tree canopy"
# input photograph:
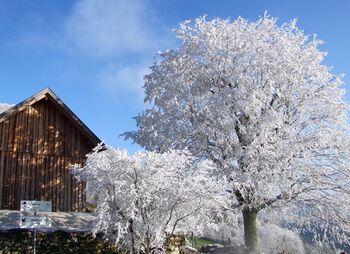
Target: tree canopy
(256, 99)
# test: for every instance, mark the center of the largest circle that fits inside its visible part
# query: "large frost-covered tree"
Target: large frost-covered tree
(256, 99)
(144, 198)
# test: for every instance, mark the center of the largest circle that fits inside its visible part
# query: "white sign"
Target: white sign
(35, 222)
(36, 206)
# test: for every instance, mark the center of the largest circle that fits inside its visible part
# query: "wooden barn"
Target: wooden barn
(40, 140)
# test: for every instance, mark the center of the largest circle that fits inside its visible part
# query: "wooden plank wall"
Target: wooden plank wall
(38, 146)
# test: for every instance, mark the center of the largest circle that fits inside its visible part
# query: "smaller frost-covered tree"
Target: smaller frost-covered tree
(144, 198)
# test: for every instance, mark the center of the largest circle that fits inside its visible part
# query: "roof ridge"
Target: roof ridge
(39, 96)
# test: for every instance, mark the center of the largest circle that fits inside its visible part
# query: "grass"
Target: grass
(198, 242)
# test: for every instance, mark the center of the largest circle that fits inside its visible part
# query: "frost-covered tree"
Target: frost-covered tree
(144, 198)
(256, 99)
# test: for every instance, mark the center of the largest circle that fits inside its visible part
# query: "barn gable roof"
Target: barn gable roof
(47, 93)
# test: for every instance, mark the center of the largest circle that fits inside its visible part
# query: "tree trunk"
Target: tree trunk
(250, 233)
(148, 247)
(131, 230)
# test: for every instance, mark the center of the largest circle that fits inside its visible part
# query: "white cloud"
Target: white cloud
(123, 79)
(112, 38)
(111, 27)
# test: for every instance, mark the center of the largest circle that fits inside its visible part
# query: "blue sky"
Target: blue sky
(94, 53)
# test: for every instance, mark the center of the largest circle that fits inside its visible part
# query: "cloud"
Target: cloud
(109, 27)
(5, 106)
(120, 32)
(103, 42)
(123, 79)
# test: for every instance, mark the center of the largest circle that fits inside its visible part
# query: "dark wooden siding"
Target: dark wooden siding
(38, 146)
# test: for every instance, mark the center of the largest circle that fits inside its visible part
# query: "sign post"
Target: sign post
(35, 221)
(34, 242)
(34, 238)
